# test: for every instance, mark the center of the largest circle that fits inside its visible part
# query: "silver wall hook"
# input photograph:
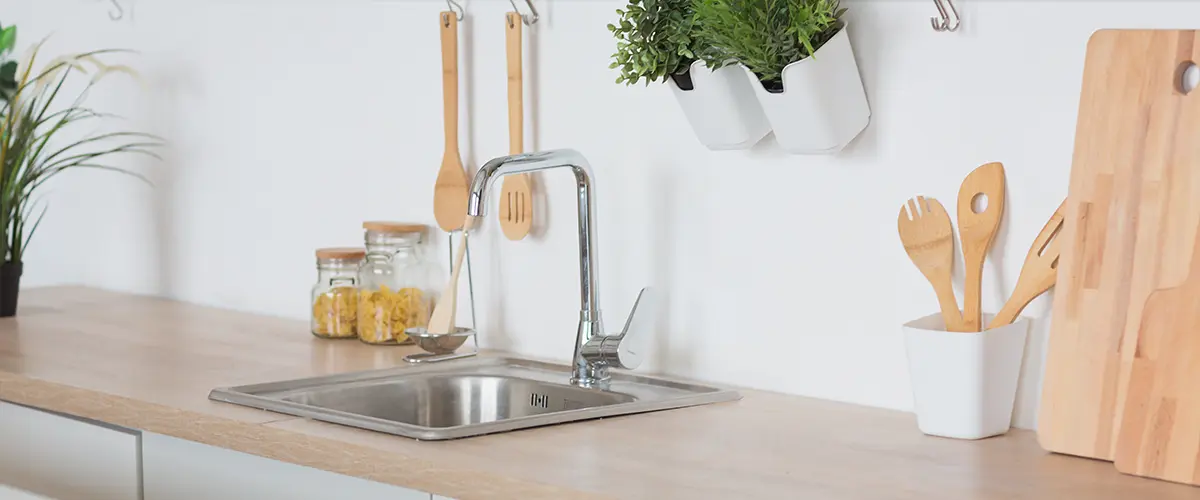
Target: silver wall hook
(530, 19)
(946, 22)
(118, 12)
(456, 8)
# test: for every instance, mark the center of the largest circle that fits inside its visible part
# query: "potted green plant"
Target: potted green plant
(798, 57)
(43, 135)
(656, 41)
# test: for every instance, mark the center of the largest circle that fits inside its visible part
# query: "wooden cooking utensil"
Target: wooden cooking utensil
(976, 231)
(1037, 274)
(516, 197)
(928, 239)
(446, 310)
(450, 189)
(1131, 215)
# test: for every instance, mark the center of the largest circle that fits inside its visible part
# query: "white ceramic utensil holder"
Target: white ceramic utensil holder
(964, 384)
(721, 108)
(823, 105)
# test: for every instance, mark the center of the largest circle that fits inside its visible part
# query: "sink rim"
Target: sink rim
(260, 396)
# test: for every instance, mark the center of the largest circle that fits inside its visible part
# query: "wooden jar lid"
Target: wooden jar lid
(393, 227)
(343, 253)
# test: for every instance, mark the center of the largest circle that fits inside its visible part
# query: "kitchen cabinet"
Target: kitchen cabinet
(175, 469)
(67, 458)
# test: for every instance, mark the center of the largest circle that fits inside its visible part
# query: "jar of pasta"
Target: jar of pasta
(334, 297)
(396, 284)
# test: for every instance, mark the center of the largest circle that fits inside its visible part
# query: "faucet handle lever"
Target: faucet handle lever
(625, 350)
(638, 328)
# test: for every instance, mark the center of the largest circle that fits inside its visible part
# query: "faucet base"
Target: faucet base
(586, 372)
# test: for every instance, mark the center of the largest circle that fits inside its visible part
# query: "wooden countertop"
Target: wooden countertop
(148, 363)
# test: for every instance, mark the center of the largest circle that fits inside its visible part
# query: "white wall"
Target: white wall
(293, 121)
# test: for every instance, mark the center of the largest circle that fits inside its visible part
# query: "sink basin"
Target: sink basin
(466, 398)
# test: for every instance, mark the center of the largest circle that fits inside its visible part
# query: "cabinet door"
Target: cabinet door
(175, 469)
(66, 458)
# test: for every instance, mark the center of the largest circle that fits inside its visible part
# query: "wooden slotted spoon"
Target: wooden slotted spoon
(450, 189)
(516, 197)
(1039, 272)
(928, 239)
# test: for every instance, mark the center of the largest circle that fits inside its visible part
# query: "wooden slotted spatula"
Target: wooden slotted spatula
(976, 232)
(516, 197)
(450, 189)
(1039, 272)
(928, 239)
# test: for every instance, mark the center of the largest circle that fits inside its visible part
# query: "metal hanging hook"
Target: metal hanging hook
(532, 18)
(457, 9)
(944, 22)
(118, 13)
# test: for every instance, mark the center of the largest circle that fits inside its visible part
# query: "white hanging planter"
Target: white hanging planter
(721, 108)
(964, 384)
(823, 105)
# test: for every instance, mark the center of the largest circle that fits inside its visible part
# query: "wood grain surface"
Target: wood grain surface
(1160, 431)
(1130, 221)
(1158, 417)
(148, 363)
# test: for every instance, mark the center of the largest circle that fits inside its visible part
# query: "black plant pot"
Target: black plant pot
(10, 286)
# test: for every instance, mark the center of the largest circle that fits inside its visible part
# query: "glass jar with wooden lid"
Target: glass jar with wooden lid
(396, 283)
(334, 296)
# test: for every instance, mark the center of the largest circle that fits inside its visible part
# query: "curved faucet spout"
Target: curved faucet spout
(590, 323)
(519, 164)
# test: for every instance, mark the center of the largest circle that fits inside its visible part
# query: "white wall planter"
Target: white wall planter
(823, 105)
(721, 108)
(964, 384)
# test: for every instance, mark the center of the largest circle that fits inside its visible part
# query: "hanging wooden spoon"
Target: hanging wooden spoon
(977, 231)
(450, 189)
(1039, 272)
(516, 197)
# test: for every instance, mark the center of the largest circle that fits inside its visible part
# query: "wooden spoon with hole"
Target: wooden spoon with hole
(516, 197)
(977, 231)
(450, 189)
(1039, 272)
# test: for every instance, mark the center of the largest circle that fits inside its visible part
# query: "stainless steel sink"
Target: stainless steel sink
(466, 398)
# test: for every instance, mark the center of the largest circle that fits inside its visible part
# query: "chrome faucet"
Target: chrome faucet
(595, 351)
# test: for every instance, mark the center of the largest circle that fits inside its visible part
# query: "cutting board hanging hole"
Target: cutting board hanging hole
(1187, 76)
(979, 203)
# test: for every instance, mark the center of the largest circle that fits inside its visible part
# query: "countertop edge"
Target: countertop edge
(262, 440)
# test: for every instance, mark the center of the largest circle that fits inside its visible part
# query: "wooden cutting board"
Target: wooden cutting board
(1160, 430)
(1132, 212)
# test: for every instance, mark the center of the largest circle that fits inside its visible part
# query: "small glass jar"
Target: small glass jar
(335, 296)
(396, 285)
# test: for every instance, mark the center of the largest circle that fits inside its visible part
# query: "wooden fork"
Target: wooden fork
(1039, 272)
(928, 238)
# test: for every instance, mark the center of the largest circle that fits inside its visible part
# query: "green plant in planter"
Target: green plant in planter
(765, 35)
(655, 41)
(41, 137)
